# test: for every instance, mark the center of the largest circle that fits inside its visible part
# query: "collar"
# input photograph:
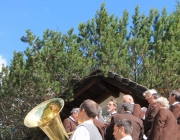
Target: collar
(113, 112)
(127, 112)
(72, 118)
(175, 103)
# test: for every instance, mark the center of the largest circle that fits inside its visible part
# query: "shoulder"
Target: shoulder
(118, 116)
(177, 106)
(67, 120)
(98, 123)
(136, 119)
(81, 133)
(137, 105)
(163, 111)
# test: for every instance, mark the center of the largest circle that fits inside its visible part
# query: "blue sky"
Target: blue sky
(16, 16)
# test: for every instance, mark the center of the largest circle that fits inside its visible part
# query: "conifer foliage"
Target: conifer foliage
(145, 51)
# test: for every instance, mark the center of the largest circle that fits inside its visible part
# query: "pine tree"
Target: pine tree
(147, 53)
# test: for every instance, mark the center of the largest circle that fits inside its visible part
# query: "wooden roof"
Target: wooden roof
(98, 88)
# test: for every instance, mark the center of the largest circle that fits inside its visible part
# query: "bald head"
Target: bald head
(127, 99)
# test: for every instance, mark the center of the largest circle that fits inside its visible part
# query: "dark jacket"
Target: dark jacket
(137, 123)
(150, 114)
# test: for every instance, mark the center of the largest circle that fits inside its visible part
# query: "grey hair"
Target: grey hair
(163, 101)
(74, 110)
(151, 91)
(128, 107)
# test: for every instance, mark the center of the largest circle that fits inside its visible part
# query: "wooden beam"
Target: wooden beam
(107, 91)
(101, 98)
(116, 84)
(115, 90)
(140, 101)
(84, 86)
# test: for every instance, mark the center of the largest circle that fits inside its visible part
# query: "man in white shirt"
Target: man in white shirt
(87, 130)
(123, 130)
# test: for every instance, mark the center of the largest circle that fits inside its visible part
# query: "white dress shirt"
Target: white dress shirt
(72, 118)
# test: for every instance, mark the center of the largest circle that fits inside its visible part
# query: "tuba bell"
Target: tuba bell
(46, 116)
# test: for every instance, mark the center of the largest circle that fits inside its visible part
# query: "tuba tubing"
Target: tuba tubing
(46, 116)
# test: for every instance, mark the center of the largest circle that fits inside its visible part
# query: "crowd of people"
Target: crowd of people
(160, 121)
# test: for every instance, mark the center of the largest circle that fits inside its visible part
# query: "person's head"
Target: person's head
(174, 96)
(112, 106)
(127, 99)
(163, 102)
(87, 110)
(122, 128)
(151, 96)
(127, 107)
(74, 114)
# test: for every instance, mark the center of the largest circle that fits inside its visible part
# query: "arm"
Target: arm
(67, 125)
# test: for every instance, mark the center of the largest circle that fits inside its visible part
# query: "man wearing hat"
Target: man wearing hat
(71, 122)
(151, 96)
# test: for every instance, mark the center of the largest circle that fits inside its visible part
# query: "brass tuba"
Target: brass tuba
(46, 116)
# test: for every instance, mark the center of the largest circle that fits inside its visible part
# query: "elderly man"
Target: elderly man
(112, 107)
(87, 130)
(174, 100)
(137, 123)
(137, 107)
(123, 130)
(71, 122)
(151, 96)
(164, 126)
